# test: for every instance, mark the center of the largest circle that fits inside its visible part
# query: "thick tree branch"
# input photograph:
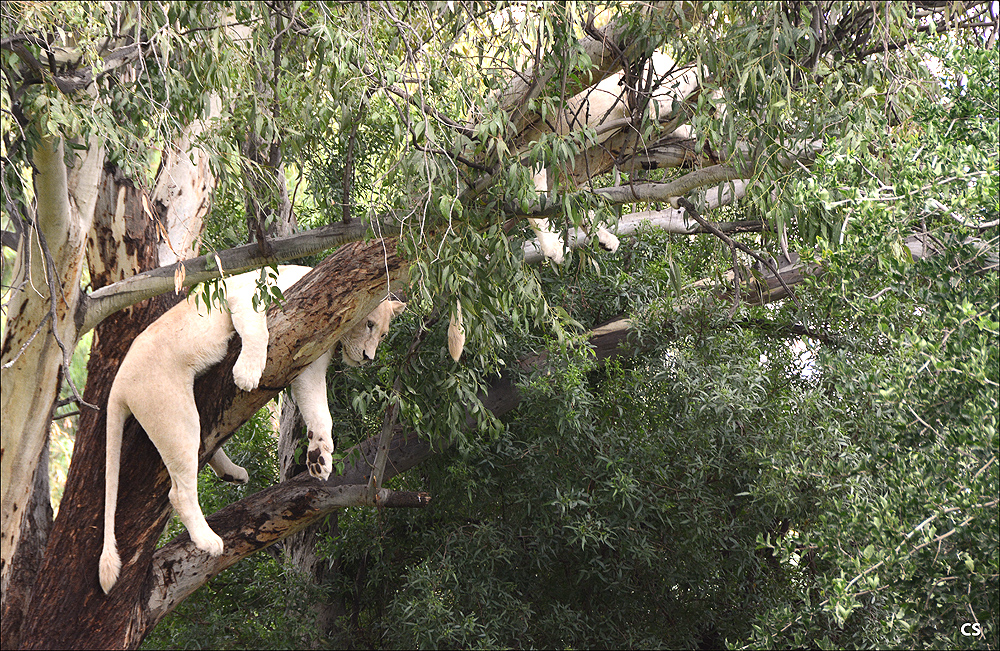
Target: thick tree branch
(64, 200)
(643, 192)
(670, 220)
(251, 524)
(608, 50)
(108, 300)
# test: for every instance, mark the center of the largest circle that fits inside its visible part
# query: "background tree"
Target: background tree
(707, 469)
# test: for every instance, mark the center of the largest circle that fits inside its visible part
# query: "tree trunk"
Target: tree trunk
(183, 192)
(299, 549)
(119, 210)
(124, 239)
(41, 323)
(30, 553)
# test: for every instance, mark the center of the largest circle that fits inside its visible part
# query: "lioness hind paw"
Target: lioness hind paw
(209, 542)
(607, 240)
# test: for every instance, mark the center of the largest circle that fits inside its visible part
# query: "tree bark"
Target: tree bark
(35, 529)
(183, 191)
(41, 322)
(299, 549)
(124, 239)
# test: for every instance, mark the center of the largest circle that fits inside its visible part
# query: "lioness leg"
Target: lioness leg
(226, 470)
(176, 436)
(252, 328)
(309, 393)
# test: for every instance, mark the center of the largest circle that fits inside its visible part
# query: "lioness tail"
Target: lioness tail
(111, 563)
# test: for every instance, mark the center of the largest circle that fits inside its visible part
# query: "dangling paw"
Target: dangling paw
(236, 475)
(319, 457)
(248, 369)
(607, 240)
(551, 246)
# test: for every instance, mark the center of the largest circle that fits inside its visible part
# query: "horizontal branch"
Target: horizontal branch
(111, 298)
(665, 220)
(670, 220)
(252, 524)
(644, 192)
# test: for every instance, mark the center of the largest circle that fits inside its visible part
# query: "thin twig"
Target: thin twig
(30, 339)
(392, 412)
(689, 209)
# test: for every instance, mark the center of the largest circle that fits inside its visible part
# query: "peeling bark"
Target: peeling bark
(38, 321)
(183, 191)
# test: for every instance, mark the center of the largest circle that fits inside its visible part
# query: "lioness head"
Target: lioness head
(360, 342)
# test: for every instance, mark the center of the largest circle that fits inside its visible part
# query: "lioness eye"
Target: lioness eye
(371, 324)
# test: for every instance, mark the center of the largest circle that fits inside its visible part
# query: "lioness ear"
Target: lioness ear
(396, 308)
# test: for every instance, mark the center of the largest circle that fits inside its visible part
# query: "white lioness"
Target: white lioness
(155, 383)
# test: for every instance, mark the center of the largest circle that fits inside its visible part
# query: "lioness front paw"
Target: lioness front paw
(319, 459)
(208, 541)
(247, 372)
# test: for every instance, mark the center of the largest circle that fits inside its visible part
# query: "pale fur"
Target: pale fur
(549, 241)
(155, 383)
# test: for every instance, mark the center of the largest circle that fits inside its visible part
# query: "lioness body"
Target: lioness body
(155, 383)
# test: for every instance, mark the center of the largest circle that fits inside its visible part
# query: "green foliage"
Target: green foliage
(912, 559)
(727, 488)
